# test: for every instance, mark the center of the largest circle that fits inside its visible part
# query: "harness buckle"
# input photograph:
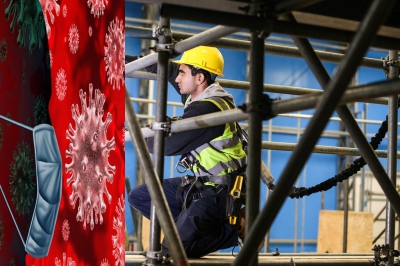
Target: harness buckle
(183, 164)
(185, 180)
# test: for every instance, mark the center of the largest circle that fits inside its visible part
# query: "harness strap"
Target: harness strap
(198, 182)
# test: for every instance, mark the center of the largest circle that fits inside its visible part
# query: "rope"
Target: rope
(346, 173)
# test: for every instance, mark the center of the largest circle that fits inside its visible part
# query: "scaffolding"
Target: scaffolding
(334, 97)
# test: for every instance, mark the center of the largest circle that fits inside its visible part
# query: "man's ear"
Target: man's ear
(200, 79)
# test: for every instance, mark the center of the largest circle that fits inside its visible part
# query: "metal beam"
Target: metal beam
(257, 22)
(393, 73)
(376, 14)
(329, 34)
(283, 146)
(159, 135)
(242, 45)
(280, 107)
(358, 136)
(256, 73)
(153, 183)
(199, 39)
(245, 85)
(282, 7)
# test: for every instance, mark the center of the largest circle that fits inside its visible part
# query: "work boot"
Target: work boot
(242, 225)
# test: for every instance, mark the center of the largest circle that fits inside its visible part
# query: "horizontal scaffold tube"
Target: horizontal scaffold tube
(245, 85)
(283, 146)
(243, 45)
(283, 106)
(194, 41)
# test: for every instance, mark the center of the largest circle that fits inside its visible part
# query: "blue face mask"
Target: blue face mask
(49, 187)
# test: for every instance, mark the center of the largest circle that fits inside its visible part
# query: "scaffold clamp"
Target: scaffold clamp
(389, 63)
(165, 126)
(163, 47)
(264, 106)
(383, 254)
(160, 31)
(155, 255)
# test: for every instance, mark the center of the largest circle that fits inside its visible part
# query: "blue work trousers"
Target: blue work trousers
(202, 226)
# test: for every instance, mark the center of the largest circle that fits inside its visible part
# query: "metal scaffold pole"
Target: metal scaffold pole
(255, 131)
(393, 73)
(277, 88)
(164, 38)
(376, 14)
(155, 188)
(280, 107)
(351, 125)
(243, 45)
(199, 39)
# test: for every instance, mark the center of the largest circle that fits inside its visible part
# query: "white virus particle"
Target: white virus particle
(48, 6)
(64, 11)
(89, 150)
(90, 31)
(104, 262)
(65, 262)
(73, 38)
(97, 7)
(65, 230)
(115, 53)
(118, 240)
(61, 84)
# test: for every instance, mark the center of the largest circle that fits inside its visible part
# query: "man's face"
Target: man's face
(186, 82)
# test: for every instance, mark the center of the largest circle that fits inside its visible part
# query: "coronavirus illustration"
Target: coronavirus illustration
(40, 111)
(89, 150)
(28, 16)
(1, 231)
(65, 262)
(115, 53)
(104, 262)
(48, 7)
(65, 230)
(118, 240)
(97, 7)
(61, 84)
(3, 50)
(64, 11)
(90, 31)
(22, 175)
(73, 38)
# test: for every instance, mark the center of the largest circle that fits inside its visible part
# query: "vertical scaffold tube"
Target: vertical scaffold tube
(376, 14)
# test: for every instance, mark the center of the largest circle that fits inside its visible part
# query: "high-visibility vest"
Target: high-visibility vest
(223, 154)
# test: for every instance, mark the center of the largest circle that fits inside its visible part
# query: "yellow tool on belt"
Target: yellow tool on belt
(236, 193)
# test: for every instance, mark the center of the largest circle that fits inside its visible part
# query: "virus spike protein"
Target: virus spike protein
(89, 150)
(115, 53)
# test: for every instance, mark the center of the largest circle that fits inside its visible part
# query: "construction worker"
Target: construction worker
(198, 202)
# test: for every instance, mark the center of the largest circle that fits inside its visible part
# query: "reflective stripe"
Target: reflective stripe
(221, 168)
(223, 154)
(222, 105)
(218, 144)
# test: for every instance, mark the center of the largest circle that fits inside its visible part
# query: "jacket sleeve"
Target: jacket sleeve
(173, 71)
(184, 142)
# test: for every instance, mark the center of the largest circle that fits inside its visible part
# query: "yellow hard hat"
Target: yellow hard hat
(204, 57)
